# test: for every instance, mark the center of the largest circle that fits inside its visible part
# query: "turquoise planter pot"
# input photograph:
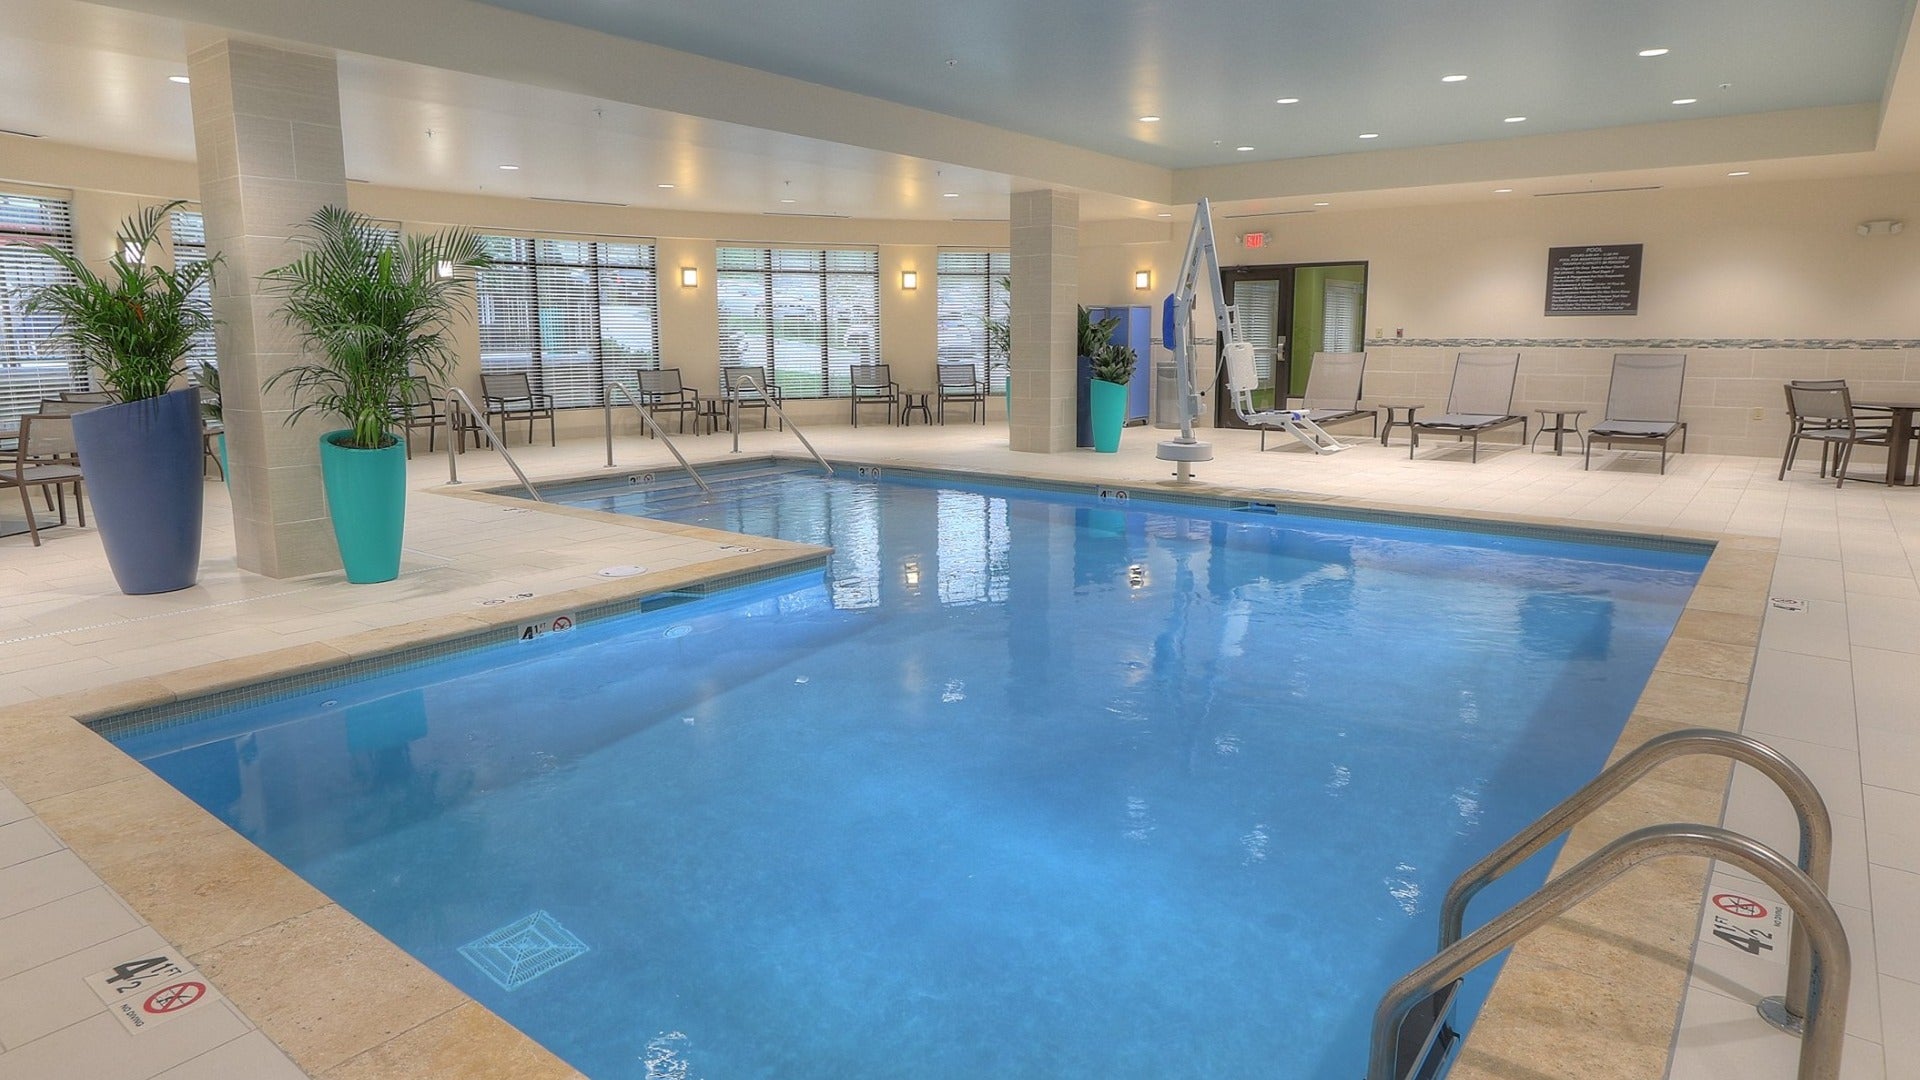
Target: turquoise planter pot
(367, 500)
(1107, 404)
(225, 473)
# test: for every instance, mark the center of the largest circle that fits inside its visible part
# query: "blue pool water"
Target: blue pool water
(1028, 785)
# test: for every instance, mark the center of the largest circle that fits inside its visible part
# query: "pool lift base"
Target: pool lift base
(1183, 452)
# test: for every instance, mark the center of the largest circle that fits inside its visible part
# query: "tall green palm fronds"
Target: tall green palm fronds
(373, 312)
(136, 322)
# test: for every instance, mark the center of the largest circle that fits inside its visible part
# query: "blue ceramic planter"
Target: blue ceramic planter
(1108, 413)
(142, 466)
(367, 501)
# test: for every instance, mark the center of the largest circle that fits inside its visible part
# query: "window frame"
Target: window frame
(832, 377)
(950, 269)
(541, 261)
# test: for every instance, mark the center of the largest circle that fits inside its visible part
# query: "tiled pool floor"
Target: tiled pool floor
(1835, 687)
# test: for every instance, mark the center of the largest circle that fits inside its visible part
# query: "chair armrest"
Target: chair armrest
(545, 398)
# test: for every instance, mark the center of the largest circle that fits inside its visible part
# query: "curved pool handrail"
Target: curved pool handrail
(647, 416)
(456, 398)
(1816, 830)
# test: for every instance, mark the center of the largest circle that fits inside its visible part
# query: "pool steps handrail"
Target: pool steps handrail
(456, 399)
(748, 382)
(1830, 964)
(1816, 839)
(646, 416)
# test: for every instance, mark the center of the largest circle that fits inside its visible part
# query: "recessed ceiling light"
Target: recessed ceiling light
(1741, 172)
(1685, 100)
(1286, 101)
(1322, 204)
(1164, 213)
(664, 187)
(1453, 78)
(1653, 52)
(949, 194)
(510, 168)
(1503, 191)
(1149, 119)
(1516, 119)
(788, 200)
(181, 79)
(1370, 135)
(1243, 149)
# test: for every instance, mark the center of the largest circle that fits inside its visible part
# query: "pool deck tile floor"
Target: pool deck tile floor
(1834, 687)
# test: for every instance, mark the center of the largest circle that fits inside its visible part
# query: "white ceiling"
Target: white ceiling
(97, 76)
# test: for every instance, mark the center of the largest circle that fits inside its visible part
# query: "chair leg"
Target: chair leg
(1840, 455)
(1786, 460)
(26, 503)
(553, 430)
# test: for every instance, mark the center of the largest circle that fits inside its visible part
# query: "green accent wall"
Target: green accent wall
(1307, 333)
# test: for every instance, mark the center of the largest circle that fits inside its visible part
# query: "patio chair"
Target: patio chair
(1823, 411)
(1865, 417)
(1243, 378)
(510, 396)
(1643, 404)
(662, 392)
(46, 459)
(422, 407)
(961, 382)
(749, 386)
(873, 385)
(1481, 400)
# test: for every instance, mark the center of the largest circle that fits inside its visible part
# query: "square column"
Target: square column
(266, 128)
(1045, 228)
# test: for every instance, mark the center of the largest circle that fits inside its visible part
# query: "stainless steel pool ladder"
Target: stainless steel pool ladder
(751, 383)
(1818, 967)
(458, 399)
(646, 417)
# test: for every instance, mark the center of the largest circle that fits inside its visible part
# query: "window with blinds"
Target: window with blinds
(190, 246)
(1342, 311)
(571, 314)
(34, 362)
(972, 295)
(809, 315)
(1256, 313)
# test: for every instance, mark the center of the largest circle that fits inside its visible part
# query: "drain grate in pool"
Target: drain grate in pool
(523, 950)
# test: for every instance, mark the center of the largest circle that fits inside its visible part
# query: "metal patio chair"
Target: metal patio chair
(872, 385)
(1480, 401)
(1643, 404)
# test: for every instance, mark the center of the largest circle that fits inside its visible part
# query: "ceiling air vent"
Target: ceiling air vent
(579, 202)
(21, 134)
(798, 213)
(1595, 191)
(1266, 213)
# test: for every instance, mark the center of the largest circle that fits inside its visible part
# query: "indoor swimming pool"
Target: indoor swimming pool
(1029, 783)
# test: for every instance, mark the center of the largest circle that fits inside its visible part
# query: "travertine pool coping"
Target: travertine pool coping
(1595, 994)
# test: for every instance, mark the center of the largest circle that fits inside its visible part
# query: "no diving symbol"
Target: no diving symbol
(1744, 907)
(173, 998)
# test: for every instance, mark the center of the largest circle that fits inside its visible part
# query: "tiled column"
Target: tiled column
(1045, 229)
(266, 126)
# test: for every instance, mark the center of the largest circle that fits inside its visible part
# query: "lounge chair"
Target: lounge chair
(1480, 401)
(1333, 389)
(1243, 378)
(1643, 404)
(872, 385)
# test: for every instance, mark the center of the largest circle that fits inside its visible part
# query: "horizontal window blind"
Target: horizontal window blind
(34, 362)
(808, 315)
(1341, 317)
(971, 298)
(190, 246)
(571, 314)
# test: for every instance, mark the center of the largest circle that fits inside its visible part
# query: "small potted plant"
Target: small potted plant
(1112, 370)
(134, 325)
(1091, 341)
(374, 314)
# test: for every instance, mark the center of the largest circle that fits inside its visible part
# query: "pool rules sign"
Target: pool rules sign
(1600, 279)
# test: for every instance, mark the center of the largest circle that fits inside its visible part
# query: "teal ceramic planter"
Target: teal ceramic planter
(226, 474)
(367, 500)
(1107, 409)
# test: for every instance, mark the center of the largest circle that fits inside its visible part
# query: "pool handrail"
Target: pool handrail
(646, 417)
(456, 398)
(744, 381)
(1816, 838)
(1830, 962)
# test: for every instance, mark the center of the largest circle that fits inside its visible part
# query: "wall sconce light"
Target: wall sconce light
(909, 279)
(443, 269)
(133, 253)
(910, 573)
(689, 276)
(1868, 228)
(1143, 279)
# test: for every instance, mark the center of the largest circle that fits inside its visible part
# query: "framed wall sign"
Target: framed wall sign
(1599, 279)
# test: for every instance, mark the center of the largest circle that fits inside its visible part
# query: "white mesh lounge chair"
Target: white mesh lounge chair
(1333, 389)
(1643, 404)
(1243, 378)
(1481, 400)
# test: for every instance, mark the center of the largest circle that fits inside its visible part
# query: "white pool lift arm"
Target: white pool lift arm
(1176, 333)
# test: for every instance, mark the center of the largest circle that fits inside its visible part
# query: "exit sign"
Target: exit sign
(1254, 240)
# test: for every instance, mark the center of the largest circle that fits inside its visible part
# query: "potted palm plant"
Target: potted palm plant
(1107, 393)
(133, 325)
(374, 314)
